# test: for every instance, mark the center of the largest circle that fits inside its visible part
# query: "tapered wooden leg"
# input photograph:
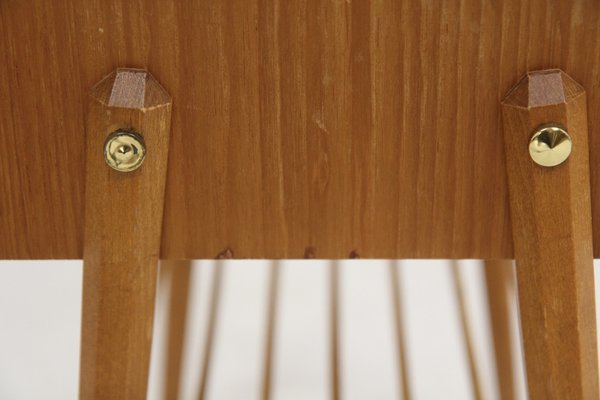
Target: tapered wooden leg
(552, 230)
(334, 310)
(403, 366)
(123, 221)
(499, 277)
(267, 376)
(466, 330)
(177, 275)
(211, 327)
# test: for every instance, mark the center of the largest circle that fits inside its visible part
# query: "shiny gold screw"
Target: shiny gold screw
(550, 145)
(124, 151)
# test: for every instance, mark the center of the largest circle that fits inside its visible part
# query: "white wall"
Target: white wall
(40, 316)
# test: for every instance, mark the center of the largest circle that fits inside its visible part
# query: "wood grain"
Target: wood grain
(123, 216)
(500, 282)
(343, 125)
(552, 229)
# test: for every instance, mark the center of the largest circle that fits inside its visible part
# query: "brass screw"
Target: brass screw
(550, 145)
(124, 151)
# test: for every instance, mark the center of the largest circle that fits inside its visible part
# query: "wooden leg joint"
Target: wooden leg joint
(549, 187)
(128, 123)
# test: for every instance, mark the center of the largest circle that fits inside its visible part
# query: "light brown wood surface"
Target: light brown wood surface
(552, 228)
(123, 215)
(344, 125)
(500, 283)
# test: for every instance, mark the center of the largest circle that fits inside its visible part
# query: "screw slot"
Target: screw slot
(550, 146)
(124, 151)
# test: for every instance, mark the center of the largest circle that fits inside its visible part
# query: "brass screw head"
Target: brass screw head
(550, 145)
(124, 151)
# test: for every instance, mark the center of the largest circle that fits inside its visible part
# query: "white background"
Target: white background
(40, 305)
